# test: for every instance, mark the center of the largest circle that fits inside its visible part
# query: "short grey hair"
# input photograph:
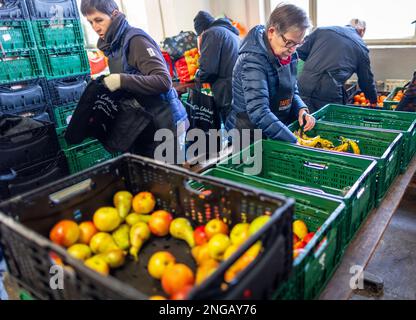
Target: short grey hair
(104, 6)
(358, 24)
(286, 17)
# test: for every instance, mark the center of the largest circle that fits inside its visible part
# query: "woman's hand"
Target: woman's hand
(310, 121)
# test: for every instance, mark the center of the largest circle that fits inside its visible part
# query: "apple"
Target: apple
(80, 251)
(102, 242)
(159, 262)
(300, 245)
(176, 278)
(115, 258)
(182, 294)
(159, 223)
(106, 219)
(309, 237)
(99, 265)
(201, 253)
(215, 226)
(144, 203)
(65, 233)
(87, 231)
(200, 236)
(217, 246)
(240, 233)
(257, 224)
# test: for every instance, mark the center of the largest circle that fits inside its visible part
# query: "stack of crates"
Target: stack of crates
(22, 89)
(58, 33)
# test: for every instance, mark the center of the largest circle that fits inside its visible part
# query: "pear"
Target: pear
(102, 242)
(139, 234)
(122, 202)
(134, 218)
(98, 264)
(114, 258)
(181, 228)
(122, 237)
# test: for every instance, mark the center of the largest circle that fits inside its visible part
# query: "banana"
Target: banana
(342, 148)
(326, 143)
(354, 146)
(309, 142)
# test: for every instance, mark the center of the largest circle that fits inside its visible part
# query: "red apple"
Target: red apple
(200, 236)
(65, 233)
(159, 223)
(309, 237)
(216, 226)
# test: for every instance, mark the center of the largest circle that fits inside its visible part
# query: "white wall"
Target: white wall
(244, 11)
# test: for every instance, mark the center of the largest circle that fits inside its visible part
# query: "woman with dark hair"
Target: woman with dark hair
(137, 66)
(265, 92)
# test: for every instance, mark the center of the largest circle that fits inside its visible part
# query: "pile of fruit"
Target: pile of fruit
(116, 232)
(347, 145)
(361, 100)
(192, 60)
(301, 237)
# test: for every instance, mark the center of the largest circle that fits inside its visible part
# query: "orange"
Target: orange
(363, 100)
(87, 231)
(176, 278)
(357, 98)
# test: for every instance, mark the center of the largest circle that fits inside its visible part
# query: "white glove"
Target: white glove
(113, 82)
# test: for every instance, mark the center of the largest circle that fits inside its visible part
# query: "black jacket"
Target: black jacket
(332, 55)
(219, 53)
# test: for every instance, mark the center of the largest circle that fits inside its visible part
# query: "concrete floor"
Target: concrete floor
(394, 260)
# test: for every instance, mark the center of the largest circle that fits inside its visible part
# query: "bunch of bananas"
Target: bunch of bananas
(320, 143)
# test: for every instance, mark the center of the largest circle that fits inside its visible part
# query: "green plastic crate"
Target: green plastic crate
(300, 66)
(63, 114)
(86, 155)
(405, 122)
(16, 35)
(344, 177)
(20, 66)
(60, 132)
(64, 62)
(389, 104)
(312, 269)
(383, 146)
(64, 33)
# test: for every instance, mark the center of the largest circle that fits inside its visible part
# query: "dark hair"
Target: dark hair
(104, 6)
(288, 16)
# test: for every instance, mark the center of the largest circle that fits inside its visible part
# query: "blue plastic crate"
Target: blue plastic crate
(52, 9)
(13, 10)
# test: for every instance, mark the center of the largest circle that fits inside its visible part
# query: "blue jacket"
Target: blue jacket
(332, 55)
(256, 86)
(219, 53)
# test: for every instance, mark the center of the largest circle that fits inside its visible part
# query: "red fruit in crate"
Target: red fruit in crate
(295, 239)
(182, 294)
(159, 223)
(200, 236)
(87, 231)
(65, 233)
(309, 237)
(300, 245)
(176, 278)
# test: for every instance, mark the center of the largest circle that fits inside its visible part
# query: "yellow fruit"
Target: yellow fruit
(98, 264)
(80, 251)
(122, 202)
(181, 228)
(258, 223)
(102, 242)
(107, 219)
(217, 246)
(300, 229)
(134, 218)
(144, 203)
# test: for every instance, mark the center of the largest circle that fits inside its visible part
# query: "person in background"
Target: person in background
(408, 102)
(218, 45)
(265, 92)
(137, 66)
(332, 55)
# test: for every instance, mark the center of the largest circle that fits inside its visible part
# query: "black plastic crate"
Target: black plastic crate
(13, 10)
(67, 90)
(18, 97)
(28, 147)
(52, 9)
(25, 223)
(15, 182)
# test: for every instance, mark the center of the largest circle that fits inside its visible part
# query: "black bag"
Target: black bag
(203, 113)
(177, 45)
(116, 119)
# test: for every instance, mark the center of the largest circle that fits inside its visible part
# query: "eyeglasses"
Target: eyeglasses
(290, 43)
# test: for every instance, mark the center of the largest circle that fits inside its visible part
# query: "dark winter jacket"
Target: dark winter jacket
(332, 55)
(219, 52)
(258, 98)
(409, 100)
(136, 56)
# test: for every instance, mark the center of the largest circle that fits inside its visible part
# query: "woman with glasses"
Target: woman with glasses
(265, 92)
